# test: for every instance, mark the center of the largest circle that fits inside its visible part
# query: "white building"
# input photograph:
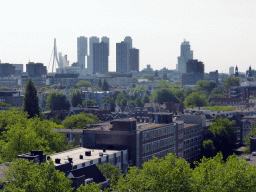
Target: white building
(185, 55)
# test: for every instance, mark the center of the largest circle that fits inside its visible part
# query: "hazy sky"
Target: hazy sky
(222, 33)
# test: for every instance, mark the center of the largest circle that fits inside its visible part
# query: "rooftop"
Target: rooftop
(75, 155)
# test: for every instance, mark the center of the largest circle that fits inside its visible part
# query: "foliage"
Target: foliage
(83, 83)
(57, 101)
(188, 91)
(134, 79)
(76, 98)
(204, 85)
(139, 88)
(92, 187)
(223, 135)
(99, 83)
(145, 99)
(138, 102)
(195, 100)
(231, 81)
(89, 103)
(58, 86)
(110, 172)
(178, 92)
(122, 98)
(30, 100)
(165, 76)
(107, 100)
(247, 138)
(4, 104)
(24, 175)
(45, 88)
(79, 121)
(214, 174)
(105, 86)
(165, 84)
(208, 148)
(149, 77)
(219, 108)
(164, 95)
(132, 103)
(5, 88)
(171, 174)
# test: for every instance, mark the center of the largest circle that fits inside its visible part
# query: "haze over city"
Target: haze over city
(221, 33)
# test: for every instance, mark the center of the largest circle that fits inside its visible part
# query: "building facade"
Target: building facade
(185, 55)
(100, 57)
(81, 51)
(92, 40)
(122, 57)
(36, 69)
(134, 59)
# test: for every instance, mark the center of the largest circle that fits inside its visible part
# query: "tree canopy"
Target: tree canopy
(89, 102)
(134, 79)
(204, 86)
(24, 175)
(139, 88)
(83, 83)
(76, 98)
(195, 100)
(107, 100)
(57, 101)
(30, 100)
(105, 86)
(79, 121)
(231, 81)
(165, 95)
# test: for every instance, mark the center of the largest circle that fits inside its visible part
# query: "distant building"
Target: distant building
(134, 59)
(36, 69)
(122, 57)
(6, 69)
(231, 71)
(185, 55)
(92, 40)
(195, 72)
(128, 40)
(18, 68)
(11, 97)
(236, 72)
(81, 50)
(214, 76)
(100, 57)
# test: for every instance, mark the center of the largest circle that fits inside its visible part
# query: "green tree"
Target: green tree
(76, 98)
(188, 91)
(231, 81)
(247, 138)
(79, 121)
(165, 76)
(110, 172)
(4, 104)
(124, 102)
(92, 187)
(24, 175)
(89, 103)
(107, 100)
(145, 99)
(134, 79)
(139, 88)
(147, 76)
(30, 100)
(105, 86)
(178, 92)
(83, 83)
(164, 95)
(223, 136)
(57, 101)
(138, 102)
(169, 174)
(205, 86)
(99, 83)
(195, 100)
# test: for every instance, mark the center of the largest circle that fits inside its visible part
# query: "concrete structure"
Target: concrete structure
(97, 96)
(11, 97)
(194, 72)
(185, 55)
(92, 40)
(6, 70)
(122, 57)
(100, 57)
(231, 71)
(105, 40)
(18, 68)
(36, 69)
(214, 76)
(134, 59)
(38, 81)
(128, 40)
(120, 82)
(81, 51)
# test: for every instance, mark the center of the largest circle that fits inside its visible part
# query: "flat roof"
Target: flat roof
(75, 155)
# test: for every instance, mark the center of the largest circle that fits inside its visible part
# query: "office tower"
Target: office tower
(194, 72)
(105, 40)
(128, 40)
(231, 70)
(134, 59)
(122, 57)
(36, 69)
(185, 55)
(81, 51)
(100, 57)
(6, 69)
(92, 40)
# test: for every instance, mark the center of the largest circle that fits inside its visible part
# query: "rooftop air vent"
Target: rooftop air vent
(70, 160)
(81, 157)
(100, 154)
(57, 161)
(87, 153)
(104, 149)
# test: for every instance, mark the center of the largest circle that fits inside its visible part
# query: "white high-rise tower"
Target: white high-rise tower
(92, 40)
(81, 51)
(185, 55)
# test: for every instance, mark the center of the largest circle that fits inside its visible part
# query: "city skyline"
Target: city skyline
(221, 33)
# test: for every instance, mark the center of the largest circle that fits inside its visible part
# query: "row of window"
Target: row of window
(192, 131)
(180, 145)
(151, 134)
(192, 140)
(194, 158)
(152, 146)
(191, 149)
(158, 154)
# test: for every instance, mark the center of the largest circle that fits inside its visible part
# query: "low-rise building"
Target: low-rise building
(11, 97)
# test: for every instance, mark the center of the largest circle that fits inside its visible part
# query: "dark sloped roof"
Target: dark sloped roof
(91, 171)
(67, 167)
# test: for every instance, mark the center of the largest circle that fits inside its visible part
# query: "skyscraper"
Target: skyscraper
(185, 55)
(105, 40)
(231, 70)
(122, 57)
(81, 50)
(128, 40)
(134, 59)
(100, 57)
(92, 40)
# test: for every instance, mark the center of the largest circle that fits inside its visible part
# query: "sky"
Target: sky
(221, 32)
